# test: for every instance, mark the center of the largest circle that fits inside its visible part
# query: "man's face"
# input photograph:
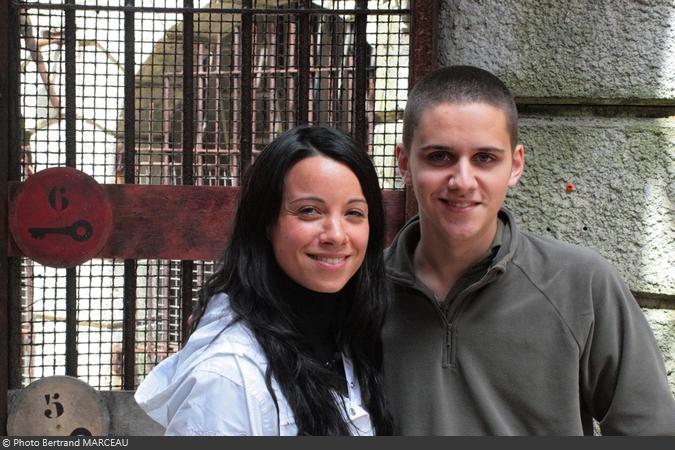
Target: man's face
(461, 166)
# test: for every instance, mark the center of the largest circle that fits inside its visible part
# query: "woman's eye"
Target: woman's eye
(308, 211)
(357, 213)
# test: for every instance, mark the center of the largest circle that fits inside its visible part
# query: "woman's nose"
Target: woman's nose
(333, 231)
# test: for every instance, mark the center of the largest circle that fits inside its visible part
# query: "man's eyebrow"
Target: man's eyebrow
(436, 147)
(492, 149)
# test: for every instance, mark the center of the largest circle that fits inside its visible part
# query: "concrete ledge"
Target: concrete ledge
(580, 49)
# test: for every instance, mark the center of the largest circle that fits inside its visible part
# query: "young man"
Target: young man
(493, 330)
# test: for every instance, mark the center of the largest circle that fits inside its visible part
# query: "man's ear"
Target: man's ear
(403, 164)
(517, 165)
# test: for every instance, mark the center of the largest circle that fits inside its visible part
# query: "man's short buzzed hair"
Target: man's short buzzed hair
(458, 84)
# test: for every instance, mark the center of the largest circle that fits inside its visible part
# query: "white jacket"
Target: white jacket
(216, 385)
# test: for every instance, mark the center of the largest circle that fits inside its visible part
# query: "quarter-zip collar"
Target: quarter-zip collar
(400, 270)
(399, 256)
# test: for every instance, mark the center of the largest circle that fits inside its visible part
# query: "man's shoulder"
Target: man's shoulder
(566, 273)
(398, 256)
(541, 251)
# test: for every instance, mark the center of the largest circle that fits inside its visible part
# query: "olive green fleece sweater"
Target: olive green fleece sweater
(549, 338)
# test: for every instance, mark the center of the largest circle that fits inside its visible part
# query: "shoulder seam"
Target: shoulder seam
(550, 302)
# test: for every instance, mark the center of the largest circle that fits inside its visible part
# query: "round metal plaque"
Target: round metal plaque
(61, 217)
(58, 406)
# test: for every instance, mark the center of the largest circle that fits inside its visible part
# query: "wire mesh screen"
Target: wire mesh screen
(212, 84)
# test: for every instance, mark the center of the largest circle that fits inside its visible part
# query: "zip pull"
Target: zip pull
(447, 351)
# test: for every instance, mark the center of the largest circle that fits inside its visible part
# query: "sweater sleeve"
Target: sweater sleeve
(227, 402)
(622, 375)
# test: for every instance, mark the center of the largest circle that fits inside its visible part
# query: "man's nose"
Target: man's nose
(463, 176)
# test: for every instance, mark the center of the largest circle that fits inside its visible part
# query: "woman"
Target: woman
(286, 337)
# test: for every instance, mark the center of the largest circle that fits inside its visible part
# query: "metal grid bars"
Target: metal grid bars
(43, 326)
(180, 93)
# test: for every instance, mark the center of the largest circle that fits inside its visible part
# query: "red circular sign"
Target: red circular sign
(61, 217)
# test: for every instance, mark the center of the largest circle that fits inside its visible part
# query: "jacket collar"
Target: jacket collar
(398, 256)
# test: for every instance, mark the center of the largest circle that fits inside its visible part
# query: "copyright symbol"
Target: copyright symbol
(6, 442)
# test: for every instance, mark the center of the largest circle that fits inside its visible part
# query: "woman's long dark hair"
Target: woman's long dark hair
(249, 273)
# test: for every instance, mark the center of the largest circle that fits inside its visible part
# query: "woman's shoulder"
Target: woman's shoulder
(221, 346)
(219, 334)
(221, 352)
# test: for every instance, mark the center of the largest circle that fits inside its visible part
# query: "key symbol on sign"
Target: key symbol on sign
(80, 231)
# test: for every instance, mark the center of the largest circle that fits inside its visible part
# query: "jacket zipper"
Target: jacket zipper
(449, 358)
(450, 349)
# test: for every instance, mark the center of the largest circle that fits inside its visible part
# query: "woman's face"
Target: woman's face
(321, 235)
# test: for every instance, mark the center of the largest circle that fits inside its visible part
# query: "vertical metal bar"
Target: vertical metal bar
(313, 76)
(424, 42)
(334, 74)
(304, 42)
(246, 99)
(235, 143)
(186, 300)
(130, 265)
(71, 161)
(188, 149)
(71, 99)
(256, 77)
(202, 107)
(360, 126)
(292, 44)
(272, 30)
(71, 321)
(188, 95)
(9, 170)
(424, 38)
(218, 103)
(9, 93)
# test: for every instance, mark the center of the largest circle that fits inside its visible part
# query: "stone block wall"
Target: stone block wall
(595, 86)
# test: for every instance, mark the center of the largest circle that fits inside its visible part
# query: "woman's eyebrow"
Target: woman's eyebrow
(321, 200)
(307, 197)
(357, 200)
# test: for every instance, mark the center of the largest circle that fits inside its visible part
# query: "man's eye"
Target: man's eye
(438, 156)
(484, 157)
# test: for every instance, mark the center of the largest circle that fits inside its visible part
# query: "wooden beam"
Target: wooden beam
(183, 222)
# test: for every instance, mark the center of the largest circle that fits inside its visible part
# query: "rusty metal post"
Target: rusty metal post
(71, 161)
(9, 171)
(361, 63)
(424, 55)
(246, 96)
(303, 44)
(130, 265)
(188, 150)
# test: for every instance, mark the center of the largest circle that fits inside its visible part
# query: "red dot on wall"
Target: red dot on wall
(569, 187)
